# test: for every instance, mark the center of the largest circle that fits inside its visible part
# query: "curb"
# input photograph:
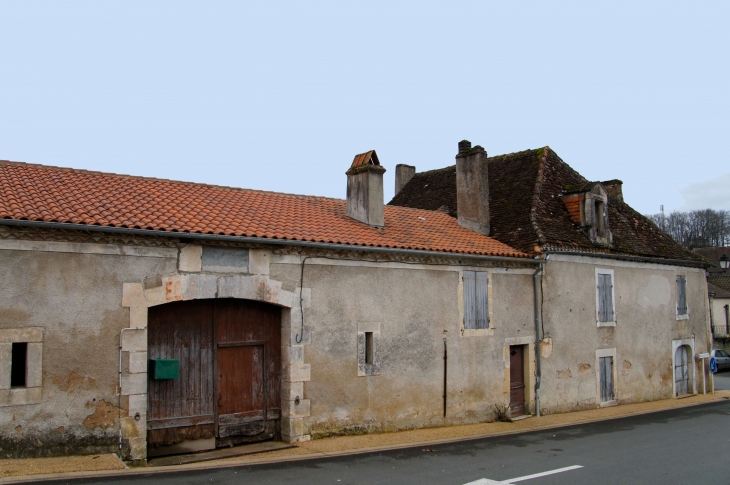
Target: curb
(315, 455)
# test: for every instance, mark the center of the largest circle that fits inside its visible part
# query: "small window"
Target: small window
(606, 376)
(604, 297)
(369, 348)
(681, 295)
(19, 364)
(476, 300)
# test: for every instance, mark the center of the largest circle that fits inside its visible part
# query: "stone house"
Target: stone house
(146, 316)
(718, 290)
(622, 303)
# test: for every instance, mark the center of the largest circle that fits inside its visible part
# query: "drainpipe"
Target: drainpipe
(538, 324)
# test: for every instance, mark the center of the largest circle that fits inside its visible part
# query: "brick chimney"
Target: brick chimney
(365, 189)
(614, 189)
(472, 188)
(403, 175)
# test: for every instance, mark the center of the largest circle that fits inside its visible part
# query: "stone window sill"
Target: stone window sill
(477, 332)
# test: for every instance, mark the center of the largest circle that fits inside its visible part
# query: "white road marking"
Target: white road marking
(485, 481)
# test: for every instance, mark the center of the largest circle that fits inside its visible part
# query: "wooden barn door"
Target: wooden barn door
(227, 390)
(248, 339)
(181, 412)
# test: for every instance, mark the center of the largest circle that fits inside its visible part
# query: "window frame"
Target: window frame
(474, 332)
(31, 392)
(604, 271)
(682, 316)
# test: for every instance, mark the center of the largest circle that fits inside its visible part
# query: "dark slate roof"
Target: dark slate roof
(721, 283)
(527, 211)
(714, 254)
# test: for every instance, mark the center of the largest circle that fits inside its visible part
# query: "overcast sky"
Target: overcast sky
(281, 95)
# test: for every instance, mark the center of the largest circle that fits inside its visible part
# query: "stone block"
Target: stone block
(191, 258)
(236, 287)
(295, 330)
(133, 295)
(27, 334)
(133, 428)
(134, 384)
(293, 354)
(156, 296)
(198, 287)
(137, 403)
(259, 261)
(6, 355)
(225, 260)
(138, 316)
(34, 365)
(20, 397)
(137, 362)
(295, 439)
(173, 288)
(294, 427)
(297, 373)
(138, 448)
(134, 340)
(291, 390)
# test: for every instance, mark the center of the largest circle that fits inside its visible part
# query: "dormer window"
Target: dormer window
(588, 207)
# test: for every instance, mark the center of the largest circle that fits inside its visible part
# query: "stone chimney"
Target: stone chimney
(472, 188)
(403, 175)
(365, 189)
(614, 189)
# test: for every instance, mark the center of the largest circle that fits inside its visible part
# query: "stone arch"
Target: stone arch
(191, 286)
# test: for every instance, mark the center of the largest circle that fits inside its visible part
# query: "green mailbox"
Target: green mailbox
(165, 368)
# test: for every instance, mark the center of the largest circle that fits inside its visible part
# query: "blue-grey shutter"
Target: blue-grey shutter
(605, 298)
(470, 300)
(482, 300)
(682, 295)
(606, 376)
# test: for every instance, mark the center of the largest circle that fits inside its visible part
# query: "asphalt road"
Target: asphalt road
(722, 380)
(681, 446)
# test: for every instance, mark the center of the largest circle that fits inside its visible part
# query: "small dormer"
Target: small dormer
(588, 207)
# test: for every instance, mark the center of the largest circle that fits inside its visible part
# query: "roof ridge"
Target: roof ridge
(156, 179)
(536, 195)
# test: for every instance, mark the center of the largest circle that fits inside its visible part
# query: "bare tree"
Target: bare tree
(696, 229)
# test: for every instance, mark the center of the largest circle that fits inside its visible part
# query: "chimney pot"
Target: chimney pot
(464, 146)
(403, 174)
(365, 190)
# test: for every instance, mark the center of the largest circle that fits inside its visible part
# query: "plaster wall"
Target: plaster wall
(75, 298)
(646, 325)
(416, 307)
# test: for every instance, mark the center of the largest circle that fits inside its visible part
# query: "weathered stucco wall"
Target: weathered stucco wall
(646, 325)
(76, 299)
(416, 307)
(76, 295)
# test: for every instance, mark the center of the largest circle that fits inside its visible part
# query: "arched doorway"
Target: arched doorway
(681, 370)
(226, 389)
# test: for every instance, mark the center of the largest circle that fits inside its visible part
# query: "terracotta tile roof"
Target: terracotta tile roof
(528, 213)
(53, 194)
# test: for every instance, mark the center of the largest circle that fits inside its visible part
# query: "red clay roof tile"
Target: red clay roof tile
(54, 194)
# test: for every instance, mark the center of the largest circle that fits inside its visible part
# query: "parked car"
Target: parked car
(722, 359)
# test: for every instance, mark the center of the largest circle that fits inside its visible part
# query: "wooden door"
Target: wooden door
(517, 380)
(227, 391)
(181, 409)
(248, 339)
(606, 378)
(681, 371)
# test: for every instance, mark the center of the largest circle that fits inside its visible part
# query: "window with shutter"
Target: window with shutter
(681, 295)
(476, 300)
(604, 297)
(606, 376)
